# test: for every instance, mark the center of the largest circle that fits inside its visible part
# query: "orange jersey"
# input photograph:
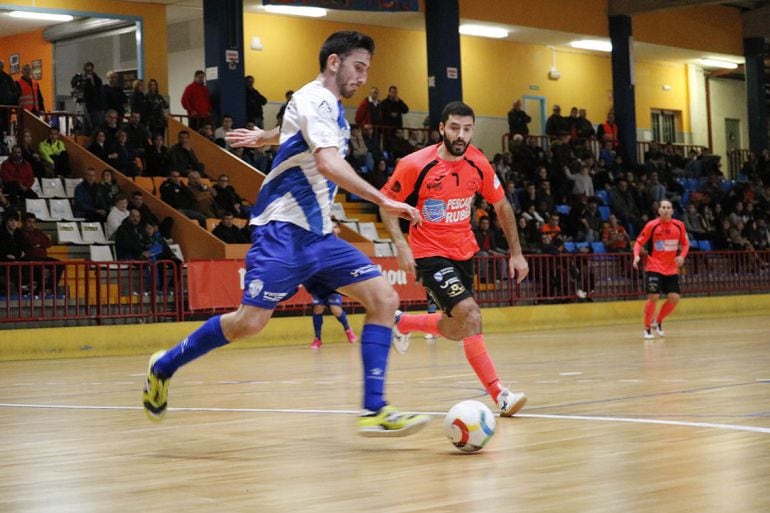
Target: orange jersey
(666, 239)
(443, 192)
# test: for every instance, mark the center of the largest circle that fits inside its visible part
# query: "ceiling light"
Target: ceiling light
(46, 16)
(483, 31)
(716, 63)
(292, 10)
(592, 44)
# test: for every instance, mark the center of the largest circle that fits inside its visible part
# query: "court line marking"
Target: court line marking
(682, 423)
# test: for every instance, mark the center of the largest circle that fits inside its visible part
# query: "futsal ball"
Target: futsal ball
(469, 425)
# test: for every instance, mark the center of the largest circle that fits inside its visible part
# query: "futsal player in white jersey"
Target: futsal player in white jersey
(292, 239)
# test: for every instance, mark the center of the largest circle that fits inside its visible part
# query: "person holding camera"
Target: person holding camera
(87, 91)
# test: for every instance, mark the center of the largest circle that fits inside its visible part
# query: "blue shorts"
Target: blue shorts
(283, 256)
(333, 299)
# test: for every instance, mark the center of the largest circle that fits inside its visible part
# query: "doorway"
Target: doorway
(535, 107)
(732, 134)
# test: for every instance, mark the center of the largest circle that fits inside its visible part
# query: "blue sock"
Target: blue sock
(343, 318)
(318, 322)
(375, 346)
(201, 341)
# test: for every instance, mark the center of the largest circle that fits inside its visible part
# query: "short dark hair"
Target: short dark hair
(342, 43)
(456, 109)
(28, 215)
(199, 72)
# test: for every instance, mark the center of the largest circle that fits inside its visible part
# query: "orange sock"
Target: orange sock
(478, 357)
(649, 312)
(665, 310)
(427, 323)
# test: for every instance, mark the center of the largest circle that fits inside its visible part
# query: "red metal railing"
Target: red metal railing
(139, 291)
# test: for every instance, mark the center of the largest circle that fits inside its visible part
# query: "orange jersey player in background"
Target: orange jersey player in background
(441, 181)
(669, 247)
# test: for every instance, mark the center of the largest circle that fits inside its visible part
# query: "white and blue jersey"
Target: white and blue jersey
(294, 190)
(292, 238)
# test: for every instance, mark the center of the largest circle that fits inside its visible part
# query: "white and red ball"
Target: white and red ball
(469, 425)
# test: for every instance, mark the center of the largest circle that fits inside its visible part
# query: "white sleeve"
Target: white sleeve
(318, 122)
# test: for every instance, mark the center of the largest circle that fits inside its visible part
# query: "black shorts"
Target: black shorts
(657, 283)
(447, 281)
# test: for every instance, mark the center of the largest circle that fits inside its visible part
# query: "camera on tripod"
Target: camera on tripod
(78, 84)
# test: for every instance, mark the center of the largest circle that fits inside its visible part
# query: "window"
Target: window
(664, 123)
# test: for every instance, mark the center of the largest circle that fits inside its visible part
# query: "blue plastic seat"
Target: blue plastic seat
(603, 196)
(569, 247)
(604, 212)
(598, 247)
(562, 209)
(705, 245)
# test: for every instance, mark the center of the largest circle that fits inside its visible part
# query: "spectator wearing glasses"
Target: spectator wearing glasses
(229, 200)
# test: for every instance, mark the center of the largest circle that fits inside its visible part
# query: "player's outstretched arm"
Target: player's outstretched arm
(335, 168)
(517, 265)
(243, 137)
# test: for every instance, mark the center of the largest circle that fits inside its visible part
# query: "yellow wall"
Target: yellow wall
(709, 27)
(154, 18)
(584, 16)
(31, 46)
(290, 57)
(650, 79)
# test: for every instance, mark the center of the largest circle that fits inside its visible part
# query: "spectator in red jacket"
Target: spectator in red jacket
(197, 101)
(17, 176)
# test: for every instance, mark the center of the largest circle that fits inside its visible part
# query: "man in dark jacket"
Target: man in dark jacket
(9, 95)
(254, 103)
(228, 232)
(179, 196)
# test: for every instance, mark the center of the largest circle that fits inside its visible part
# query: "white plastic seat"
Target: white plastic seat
(383, 249)
(353, 225)
(177, 250)
(93, 233)
(39, 207)
(69, 186)
(101, 253)
(368, 230)
(36, 187)
(67, 232)
(61, 209)
(52, 188)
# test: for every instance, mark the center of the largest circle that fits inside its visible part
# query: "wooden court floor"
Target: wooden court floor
(613, 424)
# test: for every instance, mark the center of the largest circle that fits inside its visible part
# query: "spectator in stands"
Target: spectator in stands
(545, 199)
(623, 204)
(655, 190)
(5, 204)
(512, 196)
(114, 97)
(138, 134)
(35, 244)
(368, 111)
(138, 101)
(416, 139)
(584, 129)
(157, 108)
(17, 177)
(9, 95)
(182, 155)
(739, 240)
(205, 196)
(760, 235)
(358, 153)
(157, 159)
(11, 245)
(695, 224)
(110, 126)
(279, 116)
(196, 100)
(528, 236)
(528, 198)
(494, 270)
(118, 213)
(518, 121)
(30, 97)
(570, 124)
(228, 232)
(206, 131)
(121, 157)
(53, 153)
(554, 125)
(397, 145)
(130, 239)
(88, 203)
(579, 219)
(608, 131)
(31, 155)
(372, 141)
(98, 146)
(136, 202)
(219, 133)
(582, 182)
(179, 196)
(228, 200)
(91, 89)
(552, 228)
(614, 237)
(393, 108)
(108, 187)
(254, 104)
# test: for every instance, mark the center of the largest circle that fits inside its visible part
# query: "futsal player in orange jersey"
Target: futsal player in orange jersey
(441, 181)
(668, 249)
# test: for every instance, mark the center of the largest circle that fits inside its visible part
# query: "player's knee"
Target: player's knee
(239, 325)
(468, 315)
(385, 301)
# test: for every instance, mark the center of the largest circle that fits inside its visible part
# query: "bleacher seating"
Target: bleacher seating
(604, 212)
(69, 186)
(61, 209)
(598, 247)
(146, 183)
(383, 249)
(39, 207)
(369, 230)
(93, 233)
(569, 247)
(101, 253)
(52, 188)
(67, 232)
